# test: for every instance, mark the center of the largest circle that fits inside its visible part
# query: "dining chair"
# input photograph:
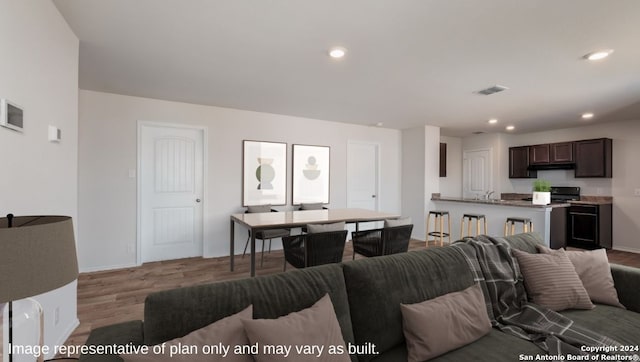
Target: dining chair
(385, 241)
(307, 250)
(264, 235)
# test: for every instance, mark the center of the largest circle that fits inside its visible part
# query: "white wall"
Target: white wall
(420, 174)
(413, 182)
(108, 150)
(451, 185)
(626, 173)
(39, 71)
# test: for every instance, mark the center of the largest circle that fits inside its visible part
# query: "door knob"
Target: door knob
(373, 196)
(197, 200)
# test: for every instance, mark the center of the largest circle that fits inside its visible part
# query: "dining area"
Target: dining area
(322, 234)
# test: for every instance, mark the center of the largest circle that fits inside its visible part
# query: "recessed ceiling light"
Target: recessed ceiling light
(510, 128)
(337, 52)
(493, 121)
(598, 54)
(379, 124)
(587, 115)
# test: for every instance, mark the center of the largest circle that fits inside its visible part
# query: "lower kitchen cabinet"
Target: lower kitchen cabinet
(589, 226)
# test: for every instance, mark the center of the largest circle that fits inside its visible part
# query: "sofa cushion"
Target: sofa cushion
(613, 322)
(592, 266)
(174, 313)
(551, 281)
(495, 347)
(377, 286)
(228, 332)
(314, 326)
(442, 324)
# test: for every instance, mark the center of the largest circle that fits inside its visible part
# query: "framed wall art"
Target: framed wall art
(264, 173)
(310, 174)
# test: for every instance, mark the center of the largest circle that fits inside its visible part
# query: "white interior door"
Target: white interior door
(476, 173)
(362, 175)
(171, 192)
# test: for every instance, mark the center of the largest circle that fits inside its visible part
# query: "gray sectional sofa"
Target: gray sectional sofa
(366, 295)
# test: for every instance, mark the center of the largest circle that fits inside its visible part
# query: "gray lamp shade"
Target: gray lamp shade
(37, 255)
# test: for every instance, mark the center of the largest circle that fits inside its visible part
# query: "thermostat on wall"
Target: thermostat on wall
(11, 115)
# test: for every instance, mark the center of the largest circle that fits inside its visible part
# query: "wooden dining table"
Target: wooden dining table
(291, 219)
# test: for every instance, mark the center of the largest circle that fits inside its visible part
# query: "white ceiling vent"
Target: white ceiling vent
(491, 90)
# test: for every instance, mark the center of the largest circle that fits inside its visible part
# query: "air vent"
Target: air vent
(477, 132)
(491, 90)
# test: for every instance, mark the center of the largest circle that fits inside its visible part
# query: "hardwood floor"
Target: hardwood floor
(116, 296)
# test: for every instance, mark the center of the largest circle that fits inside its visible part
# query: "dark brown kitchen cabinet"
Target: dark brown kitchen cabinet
(519, 163)
(590, 226)
(593, 158)
(443, 159)
(561, 152)
(539, 154)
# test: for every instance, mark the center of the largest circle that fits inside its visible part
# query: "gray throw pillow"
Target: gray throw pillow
(259, 208)
(551, 281)
(323, 228)
(594, 271)
(313, 206)
(437, 326)
(389, 223)
(228, 331)
(314, 326)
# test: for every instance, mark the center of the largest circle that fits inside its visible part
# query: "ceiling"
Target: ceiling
(409, 62)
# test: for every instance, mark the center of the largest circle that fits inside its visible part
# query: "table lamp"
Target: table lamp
(37, 255)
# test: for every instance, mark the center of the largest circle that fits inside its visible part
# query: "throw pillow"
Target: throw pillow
(442, 324)
(313, 206)
(258, 208)
(592, 266)
(227, 332)
(551, 281)
(389, 223)
(323, 228)
(314, 326)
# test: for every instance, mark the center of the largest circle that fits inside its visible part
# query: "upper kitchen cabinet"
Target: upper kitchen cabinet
(593, 158)
(561, 152)
(519, 163)
(551, 153)
(539, 154)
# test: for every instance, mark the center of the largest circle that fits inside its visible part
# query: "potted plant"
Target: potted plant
(541, 192)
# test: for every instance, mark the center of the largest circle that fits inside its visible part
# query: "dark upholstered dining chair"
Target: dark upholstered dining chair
(264, 235)
(385, 241)
(307, 250)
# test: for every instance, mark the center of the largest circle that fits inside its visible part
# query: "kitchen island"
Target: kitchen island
(548, 220)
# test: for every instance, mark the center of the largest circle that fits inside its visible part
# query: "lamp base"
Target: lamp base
(22, 336)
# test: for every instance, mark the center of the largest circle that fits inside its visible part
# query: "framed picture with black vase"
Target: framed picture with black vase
(264, 173)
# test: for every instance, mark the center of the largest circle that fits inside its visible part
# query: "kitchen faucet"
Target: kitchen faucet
(488, 194)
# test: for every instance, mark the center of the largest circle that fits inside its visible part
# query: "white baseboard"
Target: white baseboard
(107, 267)
(63, 338)
(628, 250)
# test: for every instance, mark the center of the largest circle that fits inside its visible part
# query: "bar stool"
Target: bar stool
(470, 218)
(527, 225)
(438, 231)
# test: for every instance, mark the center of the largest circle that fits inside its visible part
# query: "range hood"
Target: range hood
(552, 166)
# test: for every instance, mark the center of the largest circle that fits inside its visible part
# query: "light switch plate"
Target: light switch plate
(132, 173)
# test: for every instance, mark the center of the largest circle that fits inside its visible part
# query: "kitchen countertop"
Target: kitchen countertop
(584, 199)
(517, 203)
